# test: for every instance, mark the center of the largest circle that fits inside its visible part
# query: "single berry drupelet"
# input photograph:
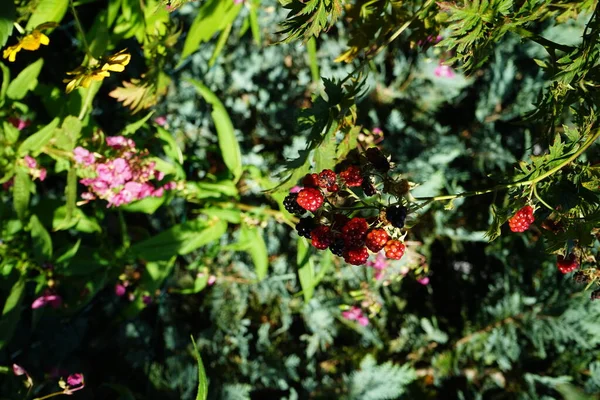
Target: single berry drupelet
(377, 159)
(321, 237)
(394, 249)
(354, 232)
(396, 215)
(368, 187)
(356, 256)
(337, 247)
(310, 181)
(291, 205)
(566, 265)
(305, 226)
(327, 179)
(352, 176)
(310, 199)
(376, 240)
(595, 295)
(522, 219)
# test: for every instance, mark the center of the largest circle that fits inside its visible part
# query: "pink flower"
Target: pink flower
(118, 142)
(52, 300)
(377, 131)
(238, 1)
(30, 162)
(444, 71)
(380, 264)
(170, 185)
(211, 280)
(75, 380)
(423, 281)
(83, 156)
(8, 184)
(18, 370)
(356, 314)
(147, 299)
(19, 123)
(430, 39)
(160, 120)
(42, 174)
(120, 290)
(296, 189)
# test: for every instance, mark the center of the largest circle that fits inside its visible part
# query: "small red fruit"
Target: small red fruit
(521, 221)
(357, 256)
(310, 199)
(354, 232)
(394, 249)
(352, 176)
(327, 179)
(321, 237)
(376, 240)
(310, 181)
(566, 265)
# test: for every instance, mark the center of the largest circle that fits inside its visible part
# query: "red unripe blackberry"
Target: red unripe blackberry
(368, 187)
(521, 221)
(566, 265)
(352, 176)
(334, 188)
(354, 232)
(321, 237)
(310, 180)
(291, 205)
(305, 226)
(394, 249)
(310, 199)
(377, 159)
(327, 178)
(337, 247)
(357, 256)
(396, 215)
(376, 240)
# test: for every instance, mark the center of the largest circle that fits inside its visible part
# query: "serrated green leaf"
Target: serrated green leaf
(42, 243)
(34, 143)
(230, 148)
(25, 81)
(47, 11)
(202, 381)
(21, 192)
(135, 126)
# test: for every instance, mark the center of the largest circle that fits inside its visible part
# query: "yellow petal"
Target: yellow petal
(11, 52)
(44, 39)
(113, 67)
(71, 85)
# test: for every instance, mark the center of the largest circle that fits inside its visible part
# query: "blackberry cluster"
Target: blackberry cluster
(522, 219)
(348, 232)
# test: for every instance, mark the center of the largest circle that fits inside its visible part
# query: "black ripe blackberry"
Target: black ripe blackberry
(580, 277)
(377, 159)
(337, 247)
(367, 187)
(305, 226)
(396, 215)
(291, 205)
(595, 295)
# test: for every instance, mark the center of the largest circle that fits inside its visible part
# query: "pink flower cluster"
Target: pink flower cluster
(379, 264)
(121, 178)
(34, 171)
(356, 314)
(48, 299)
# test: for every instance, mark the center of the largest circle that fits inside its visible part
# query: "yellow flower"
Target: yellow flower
(97, 70)
(30, 42)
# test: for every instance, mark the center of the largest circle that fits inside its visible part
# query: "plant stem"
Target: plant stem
(19, 28)
(86, 102)
(545, 175)
(81, 31)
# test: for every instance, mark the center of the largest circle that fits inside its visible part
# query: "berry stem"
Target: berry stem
(545, 175)
(81, 31)
(537, 196)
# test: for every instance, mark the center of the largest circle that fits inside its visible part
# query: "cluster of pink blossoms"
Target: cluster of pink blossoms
(356, 314)
(122, 178)
(34, 170)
